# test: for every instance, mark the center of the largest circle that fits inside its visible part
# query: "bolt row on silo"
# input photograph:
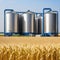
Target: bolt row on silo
(31, 23)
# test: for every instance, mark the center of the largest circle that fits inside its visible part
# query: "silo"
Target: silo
(20, 22)
(28, 23)
(51, 23)
(38, 23)
(8, 22)
(16, 21)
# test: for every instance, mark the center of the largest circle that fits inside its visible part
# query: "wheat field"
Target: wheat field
(29, 48)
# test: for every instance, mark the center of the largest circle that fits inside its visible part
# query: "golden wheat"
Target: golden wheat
(29, 52)
(29, 48)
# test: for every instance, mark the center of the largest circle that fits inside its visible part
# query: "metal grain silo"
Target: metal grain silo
(20, 22)
(50, 23)
(8, 22)
(16, 21)
(38, 23)
(28, 23)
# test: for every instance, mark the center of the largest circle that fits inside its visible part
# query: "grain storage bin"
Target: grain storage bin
(28, 23)
(38, 23)
(50, 22)
(16, 21)
(8, 22)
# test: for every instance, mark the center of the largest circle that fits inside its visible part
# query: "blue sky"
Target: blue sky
(24, 5)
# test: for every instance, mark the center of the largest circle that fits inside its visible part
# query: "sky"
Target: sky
(24, 5)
